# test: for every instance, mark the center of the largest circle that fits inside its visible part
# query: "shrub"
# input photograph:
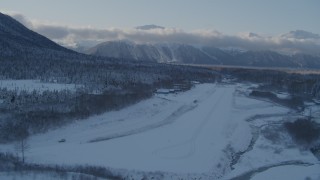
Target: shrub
(263, 94)
(303, 131)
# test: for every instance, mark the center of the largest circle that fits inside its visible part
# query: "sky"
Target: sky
(228, 16)
(282, 25)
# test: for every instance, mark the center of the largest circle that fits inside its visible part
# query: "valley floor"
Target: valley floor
(206, 132)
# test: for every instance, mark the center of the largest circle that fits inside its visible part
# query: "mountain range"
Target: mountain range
(188, 54)
(18, 42)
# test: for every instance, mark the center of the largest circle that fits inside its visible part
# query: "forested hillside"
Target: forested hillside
(100, 84)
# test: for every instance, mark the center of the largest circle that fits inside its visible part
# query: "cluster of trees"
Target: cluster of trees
(12, 163)
(106, 84)
(315, 90)
(293, 102)
(304, 131)
(297, 83)
(301, 84)
(23, 100)
(93, 70)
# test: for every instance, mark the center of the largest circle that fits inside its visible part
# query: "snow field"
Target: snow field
(185, 133)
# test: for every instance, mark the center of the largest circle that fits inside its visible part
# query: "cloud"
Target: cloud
(19, 17)
(293, 42)
(301, 34)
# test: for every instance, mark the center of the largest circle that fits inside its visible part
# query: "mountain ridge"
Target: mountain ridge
(17, 41)
(188, 54)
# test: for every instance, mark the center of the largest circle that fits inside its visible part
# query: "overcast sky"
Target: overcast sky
(250, 24)
(228, 16)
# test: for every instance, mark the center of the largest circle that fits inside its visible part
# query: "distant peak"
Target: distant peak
(251, 34)
(149, 27)
(301, 34)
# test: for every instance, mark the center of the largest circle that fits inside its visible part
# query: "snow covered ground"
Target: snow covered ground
(27, 175)
(290, 172)
(196, 132)
(283, 95)
(31, 85)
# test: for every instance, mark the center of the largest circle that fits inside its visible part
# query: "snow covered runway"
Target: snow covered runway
(175, 133)
(189, 132)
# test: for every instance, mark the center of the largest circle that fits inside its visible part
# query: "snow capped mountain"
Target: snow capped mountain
(251, 35)
(301, 34)
(188, 54)
(179, 53)
(18, 42)
(234, 50)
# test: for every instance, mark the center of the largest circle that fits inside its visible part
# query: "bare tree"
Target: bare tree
(22, 144)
